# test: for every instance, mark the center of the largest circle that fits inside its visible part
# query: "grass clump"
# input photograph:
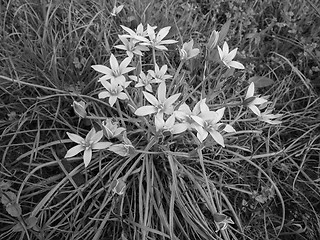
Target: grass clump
(196, 129)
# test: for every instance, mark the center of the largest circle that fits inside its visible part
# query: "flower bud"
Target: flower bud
(213, 40)
(80, 108)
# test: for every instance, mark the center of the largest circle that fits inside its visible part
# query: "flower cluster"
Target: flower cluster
(164, 109)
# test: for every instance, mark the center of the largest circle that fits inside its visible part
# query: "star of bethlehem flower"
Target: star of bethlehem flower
(226, 56)
(138, 35)
(131, 46)
(185, 117)
(114, 91)
(91, 142)
(112, 128)
(116, 10)
(159, 75)
(116, 72)
(159, 106)
(162, 125)
(209, 124)
(143, 81)
(156, 40)
(252, 102)
(187, 51)
(270, 118)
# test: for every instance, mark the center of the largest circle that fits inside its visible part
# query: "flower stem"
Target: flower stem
(175, 77)
(120, 113)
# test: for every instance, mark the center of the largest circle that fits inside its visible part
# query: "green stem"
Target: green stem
(120, 113)
(175, 77)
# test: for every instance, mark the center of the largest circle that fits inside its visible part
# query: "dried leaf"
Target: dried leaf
(261, 81)
(224, 31)
(8, 197)
(14, 209)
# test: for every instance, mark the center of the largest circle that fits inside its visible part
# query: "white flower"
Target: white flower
(116, 72)
(159, 106)
(187, 51)
(226, 56)
(270, 118)
(159, 75)
(209, 124)
(91, 142)
(116, 10)
(252, 102)
(114, 91)
(156, 40)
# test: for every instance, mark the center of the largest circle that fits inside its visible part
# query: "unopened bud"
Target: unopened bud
(213, 40)
(80, 108)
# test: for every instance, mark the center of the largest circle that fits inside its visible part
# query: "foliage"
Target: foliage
(180, 145)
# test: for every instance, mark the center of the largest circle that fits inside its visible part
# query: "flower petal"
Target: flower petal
(102, 69)
(101, 145)
(179, 128)
(150, 98)
(220, 113)
(112, 100)
(145, 110)
(162, 92)
(217, 137)
(254, 109)
(87, 156)
(97, 137)
(74, 151)
(75, 138)
(168, 102)
(162, 33)
(250, 91)
(236, 65)
(113, 62)
(104, 94)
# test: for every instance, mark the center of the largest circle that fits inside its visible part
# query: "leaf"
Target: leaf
(30, 222)
(14, 209)
(223, 32)
(261, 81)
(4, 185)
(8, 197)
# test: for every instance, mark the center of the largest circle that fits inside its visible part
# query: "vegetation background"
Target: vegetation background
(46, 52)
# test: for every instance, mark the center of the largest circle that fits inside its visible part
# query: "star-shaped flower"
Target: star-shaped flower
(138, 35)
(91, 142)
(226, 56)
(116, 72)
(270, 118)
(209, 122)
(185, 116)
(163, 125)
(159, 75)
(114, 91)
(131, 46)
(252, 102)
(143, 81)
(112, 128)
(116, 10)
(159, 106)
(187, 51)
(156, 40)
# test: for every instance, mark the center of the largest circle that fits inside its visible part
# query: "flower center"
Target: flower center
(86, 145)
(116, 72)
